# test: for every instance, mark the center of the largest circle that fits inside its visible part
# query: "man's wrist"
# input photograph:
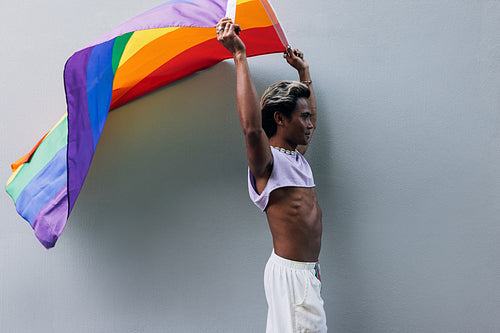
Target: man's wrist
(304, 74)
(303, 70)
(240, 56)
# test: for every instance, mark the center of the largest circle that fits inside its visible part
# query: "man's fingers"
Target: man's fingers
(293, 53)
(227, 27)
(224, 20)
(222, 24)
(237, 29)
(288, 52)
(231, 27)
(298, 53)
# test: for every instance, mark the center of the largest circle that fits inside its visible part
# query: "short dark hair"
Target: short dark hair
(282, 97)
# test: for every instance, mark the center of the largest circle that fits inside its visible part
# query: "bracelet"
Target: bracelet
(308, 82)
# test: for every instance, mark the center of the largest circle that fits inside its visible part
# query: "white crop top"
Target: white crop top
(288, 171)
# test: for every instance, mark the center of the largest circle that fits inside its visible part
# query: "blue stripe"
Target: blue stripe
(99, 86)
(44, 186)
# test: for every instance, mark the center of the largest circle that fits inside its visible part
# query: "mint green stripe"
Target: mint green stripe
(54, 142)
(118, 47)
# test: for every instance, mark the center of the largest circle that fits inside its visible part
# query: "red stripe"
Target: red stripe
(258, 41)
(267, 6)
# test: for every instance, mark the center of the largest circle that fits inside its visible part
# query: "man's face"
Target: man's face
(299, 126)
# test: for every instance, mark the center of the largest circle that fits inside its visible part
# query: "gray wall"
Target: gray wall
(164, 238)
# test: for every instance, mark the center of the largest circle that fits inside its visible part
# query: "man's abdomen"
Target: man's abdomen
(294, 218)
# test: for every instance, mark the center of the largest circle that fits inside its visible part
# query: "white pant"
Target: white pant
(293, 296)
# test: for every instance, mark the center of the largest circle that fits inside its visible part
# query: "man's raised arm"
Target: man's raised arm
(296, 59)
(257, 144)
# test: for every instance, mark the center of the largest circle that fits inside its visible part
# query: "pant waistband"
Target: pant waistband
(291, 263)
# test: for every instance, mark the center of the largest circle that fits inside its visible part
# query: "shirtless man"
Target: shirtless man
(277, 133)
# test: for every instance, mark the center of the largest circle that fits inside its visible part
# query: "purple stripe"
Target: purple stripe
(201, 13)
(50, 221)
(80, 142)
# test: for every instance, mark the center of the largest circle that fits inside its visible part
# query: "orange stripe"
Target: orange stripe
(196, 58)
(157, 53)
(252, 15)
(269, 10)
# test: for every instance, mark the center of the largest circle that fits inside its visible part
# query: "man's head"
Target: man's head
(280, 97)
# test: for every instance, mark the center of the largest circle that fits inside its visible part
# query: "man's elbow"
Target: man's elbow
(253, 134)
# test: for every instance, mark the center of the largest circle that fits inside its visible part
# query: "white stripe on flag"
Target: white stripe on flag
(231, 9)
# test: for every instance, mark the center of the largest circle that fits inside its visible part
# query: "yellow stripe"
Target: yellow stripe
(239, 2)
(140, 39)
(60, 121)
(14, 175)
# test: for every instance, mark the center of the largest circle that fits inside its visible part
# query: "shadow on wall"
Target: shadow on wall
(159, 151)
(165, 208)
(162, 162)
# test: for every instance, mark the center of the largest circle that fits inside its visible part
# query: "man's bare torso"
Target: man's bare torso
(294, 217)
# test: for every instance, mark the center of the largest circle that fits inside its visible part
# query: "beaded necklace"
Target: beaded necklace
(286, 151)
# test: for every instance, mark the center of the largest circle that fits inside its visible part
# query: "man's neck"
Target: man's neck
(279, 143)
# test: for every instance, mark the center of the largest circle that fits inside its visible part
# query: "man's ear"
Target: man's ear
(279, 119)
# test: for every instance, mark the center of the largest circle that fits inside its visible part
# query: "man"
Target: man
(277, 133)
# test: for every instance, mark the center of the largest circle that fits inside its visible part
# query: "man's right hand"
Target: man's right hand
(227, 35)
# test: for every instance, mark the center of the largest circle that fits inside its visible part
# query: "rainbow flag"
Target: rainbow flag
(151, 50)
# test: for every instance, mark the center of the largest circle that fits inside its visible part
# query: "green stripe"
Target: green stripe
(118, 47)
(54, 142)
